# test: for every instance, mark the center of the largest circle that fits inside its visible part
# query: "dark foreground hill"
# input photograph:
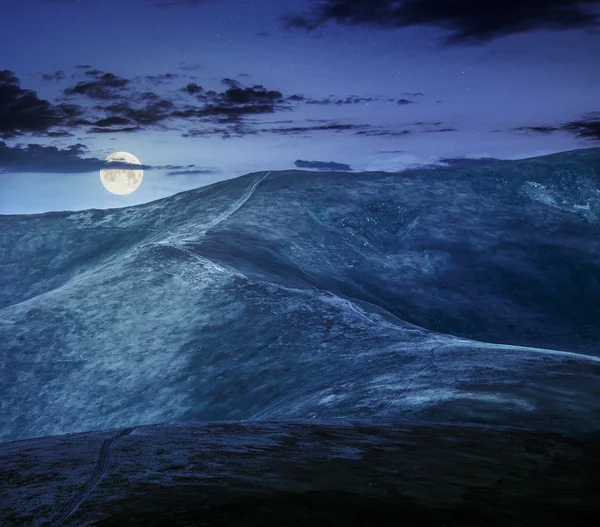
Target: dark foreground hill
(459, 295)
(302, 474)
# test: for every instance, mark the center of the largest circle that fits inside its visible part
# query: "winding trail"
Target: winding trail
(99, 472)
(179, 240)
(180, 243)
(236, 206)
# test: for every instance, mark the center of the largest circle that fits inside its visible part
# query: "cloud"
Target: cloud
(121, 107)
(465, 20)
(223, 112)
(256, 94)
(447, 129)
(329, 166)
(112, 121)
(242, 129)
(56, 76)
(588, 127)
(50, 159)
(193, 172)
(105, 86)
(231, 107)
(93, 73)
(331, 127)
(377, 132)
(125, 129)
(353, 99)
(70, 160)
(402, 102)
(232, 83)
(22, 111)
(192, 88)
(147, 114)
(58, 134)
(161, 79)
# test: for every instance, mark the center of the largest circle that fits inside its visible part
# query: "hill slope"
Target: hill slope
(465, 294)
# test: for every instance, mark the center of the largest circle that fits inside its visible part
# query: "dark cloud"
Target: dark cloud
(378, 132)
(56, 76)
(82, 66)
(447, 129)
(332, 127)
(223, 112)
(148, 96)
(255, 94)
(161, 79)
(144, 115)
(404, 101)
(120, 108)
(192, 88)
(112, 121)
(338, 102)
(22, 111)
(239, 128)
(192, 172)
(63, 133)
(126, 129)
(328, 166)
(72, 159)
(588, 127)
(93, 73)
(232, 83)
(231, 106)
(538, 129)
(283, 121)
(49, 159)
(177, 167)
(465, 20)
(234, 129)
(105, 86)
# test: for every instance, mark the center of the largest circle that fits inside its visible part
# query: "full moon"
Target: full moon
(121, 181)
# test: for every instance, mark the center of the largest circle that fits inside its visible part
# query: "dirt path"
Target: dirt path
(99, 472)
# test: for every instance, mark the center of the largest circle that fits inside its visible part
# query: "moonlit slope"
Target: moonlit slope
(464, 294)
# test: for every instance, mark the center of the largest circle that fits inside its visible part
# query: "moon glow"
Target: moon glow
(121, 181)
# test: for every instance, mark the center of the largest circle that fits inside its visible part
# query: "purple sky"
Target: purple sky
(373, 84)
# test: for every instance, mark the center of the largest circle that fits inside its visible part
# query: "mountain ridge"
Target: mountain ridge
(469, 293)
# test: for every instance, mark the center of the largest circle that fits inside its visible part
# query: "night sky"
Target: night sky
(202, 91)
